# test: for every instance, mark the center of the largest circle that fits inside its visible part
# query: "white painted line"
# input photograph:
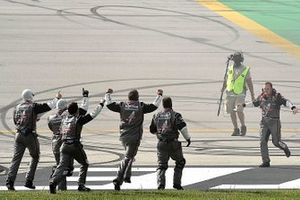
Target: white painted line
(25, 188)
(115, 169)
(190, 175)
(294, 184)
(195, 175)
(244, 187)
(92, 178)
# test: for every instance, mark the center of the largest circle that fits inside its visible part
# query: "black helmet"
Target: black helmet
(167, 102)
(133, 95)
(72, 108)
(238, 57)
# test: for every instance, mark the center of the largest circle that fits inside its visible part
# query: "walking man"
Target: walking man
(270, 101)
(238, 76)
(166, 125)
(25, 118)
(131, 129)
(54, 122)
(71, 127)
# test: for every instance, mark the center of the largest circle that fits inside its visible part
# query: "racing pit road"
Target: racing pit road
(180, 46)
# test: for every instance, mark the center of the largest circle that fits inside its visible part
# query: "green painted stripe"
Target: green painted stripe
(251, 25)
(280, 16)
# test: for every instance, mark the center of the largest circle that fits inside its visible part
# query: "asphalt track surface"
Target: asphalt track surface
(179, 46)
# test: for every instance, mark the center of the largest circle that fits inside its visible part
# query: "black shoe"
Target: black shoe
(52, 188)
(243, 130)
(10, 185)
(236, 132)
(29, 184)
(127, 180)
(287, 152)
(69, 172)
(117, 185)
(82, 188)
(265, 164)
(178, 187)
(161, 187)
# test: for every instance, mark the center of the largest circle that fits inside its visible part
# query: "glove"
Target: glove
(188, 142)
(160, 92)
(109, 90)
(294, 109)
(85, 93)
(102, 101)
(58, 95)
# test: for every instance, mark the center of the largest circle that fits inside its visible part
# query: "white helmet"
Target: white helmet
(61, 104)
(27, 95)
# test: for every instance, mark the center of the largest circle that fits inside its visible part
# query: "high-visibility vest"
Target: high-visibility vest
(237, 85)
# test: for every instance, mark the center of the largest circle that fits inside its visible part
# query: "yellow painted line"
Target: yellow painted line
(251, 26)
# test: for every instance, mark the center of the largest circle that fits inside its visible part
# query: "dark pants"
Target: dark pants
(56, 144)
(67, 154)
(270, 127)
(165, 150)
(22, 142)
(124, 171)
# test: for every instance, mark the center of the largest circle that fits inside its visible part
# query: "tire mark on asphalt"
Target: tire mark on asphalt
(95, 11)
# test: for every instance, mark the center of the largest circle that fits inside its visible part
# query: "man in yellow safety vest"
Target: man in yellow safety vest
(237, 79)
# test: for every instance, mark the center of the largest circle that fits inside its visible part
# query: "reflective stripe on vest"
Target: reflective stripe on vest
(236, 86)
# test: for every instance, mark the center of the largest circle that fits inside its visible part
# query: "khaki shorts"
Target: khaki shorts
(234, 103)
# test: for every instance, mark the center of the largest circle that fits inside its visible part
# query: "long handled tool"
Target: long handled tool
(224, 82)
